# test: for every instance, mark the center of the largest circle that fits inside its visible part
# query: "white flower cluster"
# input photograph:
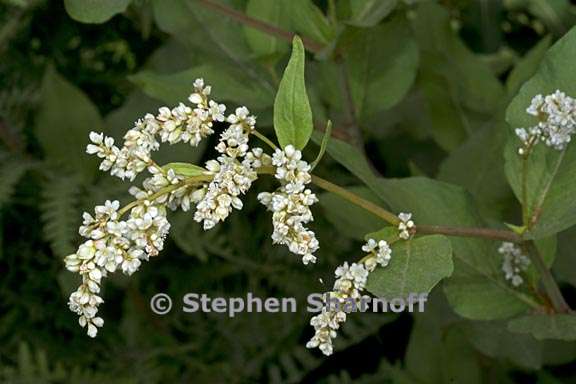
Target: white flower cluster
(557, 121)
(290, 204)
(405, 226)
(349, 284)
(181, 124)
(113, 243)
(234, 170)
(515, 262)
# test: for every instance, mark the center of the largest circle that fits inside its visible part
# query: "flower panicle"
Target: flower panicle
(113, 243)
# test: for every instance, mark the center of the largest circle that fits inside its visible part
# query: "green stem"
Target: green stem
(525, 212)
(550, 286)
(264, 139)
(486, 233)
(357, 200)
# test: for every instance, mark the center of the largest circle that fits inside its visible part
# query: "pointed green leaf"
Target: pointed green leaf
(292, 113)
(185, 169)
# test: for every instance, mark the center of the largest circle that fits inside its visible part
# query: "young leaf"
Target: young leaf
(416, 266)
(185, 169)
(94, 11)
(292, 113)
(323, 145)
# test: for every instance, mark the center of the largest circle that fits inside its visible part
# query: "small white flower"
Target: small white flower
(381, 252)
(514, 263)
(406, 225)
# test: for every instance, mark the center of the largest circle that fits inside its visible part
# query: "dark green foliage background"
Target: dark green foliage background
(429, 84)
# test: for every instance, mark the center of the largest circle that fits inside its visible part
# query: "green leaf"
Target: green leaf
(263, 44)
(227, 85)
(550, 177)
(459, 89)
(487, 183)
(438, 351)
(417, 265)
(185, 169)
(382, 63)
(94, 11)
(308, 20)
(323, 145)
(558, 326)
(65, 119)
(202, 30)
(292, 113)
(493, 339)
(368, 13)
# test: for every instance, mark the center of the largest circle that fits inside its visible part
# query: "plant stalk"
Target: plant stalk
(550, 286)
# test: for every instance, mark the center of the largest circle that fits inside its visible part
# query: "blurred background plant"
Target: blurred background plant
(419, 87)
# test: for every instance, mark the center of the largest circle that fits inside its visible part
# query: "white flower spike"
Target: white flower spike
(350, 282)
(290, 204)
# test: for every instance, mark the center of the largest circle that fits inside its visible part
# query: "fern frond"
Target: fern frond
(60, 213)
(11, 171)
